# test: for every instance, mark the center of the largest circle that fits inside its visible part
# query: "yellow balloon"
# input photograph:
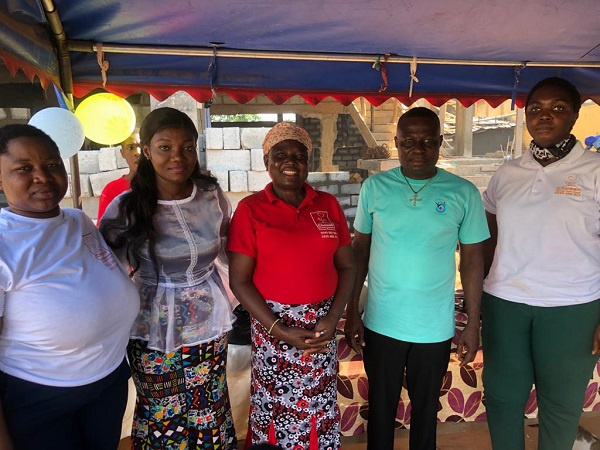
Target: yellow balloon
(107, 119)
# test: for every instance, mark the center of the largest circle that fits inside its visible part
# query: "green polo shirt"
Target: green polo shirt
(411, 266)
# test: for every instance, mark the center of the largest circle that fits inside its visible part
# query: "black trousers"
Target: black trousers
(65, 418)
(386, 360)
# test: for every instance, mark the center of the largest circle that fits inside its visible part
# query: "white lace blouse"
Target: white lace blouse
(188, 304)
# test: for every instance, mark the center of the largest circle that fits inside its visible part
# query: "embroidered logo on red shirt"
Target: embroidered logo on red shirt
(321, 220)
(324, 224)
(570, 187)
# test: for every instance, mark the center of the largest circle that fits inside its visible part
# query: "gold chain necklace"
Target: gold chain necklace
(415, 197)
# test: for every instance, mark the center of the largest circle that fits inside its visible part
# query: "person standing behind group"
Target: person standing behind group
(130, 151)
(66, 308)
(541, 304)
(171, 228)
(408, 223)
(291, 266)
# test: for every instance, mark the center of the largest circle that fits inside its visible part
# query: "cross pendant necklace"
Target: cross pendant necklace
(415, 198)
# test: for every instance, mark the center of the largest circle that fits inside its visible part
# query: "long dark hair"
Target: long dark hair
(134, 223)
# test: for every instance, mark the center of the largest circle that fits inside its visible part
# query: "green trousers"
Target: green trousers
(549, 347)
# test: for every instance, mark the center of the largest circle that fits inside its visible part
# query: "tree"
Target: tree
(235, 118)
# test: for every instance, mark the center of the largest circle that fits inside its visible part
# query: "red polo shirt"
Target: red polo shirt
(293, 247)
(110, 191)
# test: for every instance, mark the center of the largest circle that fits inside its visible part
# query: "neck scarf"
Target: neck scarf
(557, 151)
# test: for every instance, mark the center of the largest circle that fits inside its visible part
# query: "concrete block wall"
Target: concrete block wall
(97, 168)
(257, 180)
(348, 134)
(242, 169)
(214, 138)
(238, 181)
(349, 143)
(345, 157)
(313, 128)
(338, 184)
(14, 115)
(234, 157)
(227, 159)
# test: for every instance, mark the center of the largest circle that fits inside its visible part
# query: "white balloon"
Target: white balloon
(63, 127)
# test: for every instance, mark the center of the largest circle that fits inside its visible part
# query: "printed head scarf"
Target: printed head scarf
(283, 131)
(557, 151)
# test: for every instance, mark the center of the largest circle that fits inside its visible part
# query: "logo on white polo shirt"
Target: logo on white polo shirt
(324, 224)
(101, 253)
(570, 187)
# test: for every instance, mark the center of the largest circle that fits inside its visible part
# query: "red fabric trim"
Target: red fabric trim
(244, 95)
(248, 441)
(272, 438)
(314, 440)
(13, 64)
(156, 90)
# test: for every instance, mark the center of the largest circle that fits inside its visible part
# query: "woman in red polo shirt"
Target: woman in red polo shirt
(291, 266)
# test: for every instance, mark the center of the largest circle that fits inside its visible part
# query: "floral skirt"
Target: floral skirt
(293, 397)
(182, 398)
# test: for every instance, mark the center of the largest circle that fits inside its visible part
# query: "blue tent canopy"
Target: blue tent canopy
(465, 49)
(25, 43)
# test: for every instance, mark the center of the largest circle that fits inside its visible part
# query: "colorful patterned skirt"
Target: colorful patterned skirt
(182, 399)
(293, 397)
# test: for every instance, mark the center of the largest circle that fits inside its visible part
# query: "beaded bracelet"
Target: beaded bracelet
(272, 326)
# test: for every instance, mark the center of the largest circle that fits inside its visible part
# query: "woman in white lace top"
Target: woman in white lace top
(170, 229)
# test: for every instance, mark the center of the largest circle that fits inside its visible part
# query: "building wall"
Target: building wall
(9, 116)
(490, 140)
(348, 145)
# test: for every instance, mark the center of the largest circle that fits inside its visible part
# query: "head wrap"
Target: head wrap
(283, 131)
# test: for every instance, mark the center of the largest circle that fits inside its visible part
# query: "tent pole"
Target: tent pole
(90, 47)
(518, 137)
(66, 81)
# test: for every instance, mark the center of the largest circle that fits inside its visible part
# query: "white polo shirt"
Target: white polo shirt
(548, 250)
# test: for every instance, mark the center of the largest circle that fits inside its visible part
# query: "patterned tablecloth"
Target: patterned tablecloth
(461, 397)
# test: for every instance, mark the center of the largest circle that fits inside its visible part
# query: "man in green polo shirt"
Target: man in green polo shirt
(407, 226)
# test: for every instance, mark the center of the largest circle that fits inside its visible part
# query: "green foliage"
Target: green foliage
(235, 118)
